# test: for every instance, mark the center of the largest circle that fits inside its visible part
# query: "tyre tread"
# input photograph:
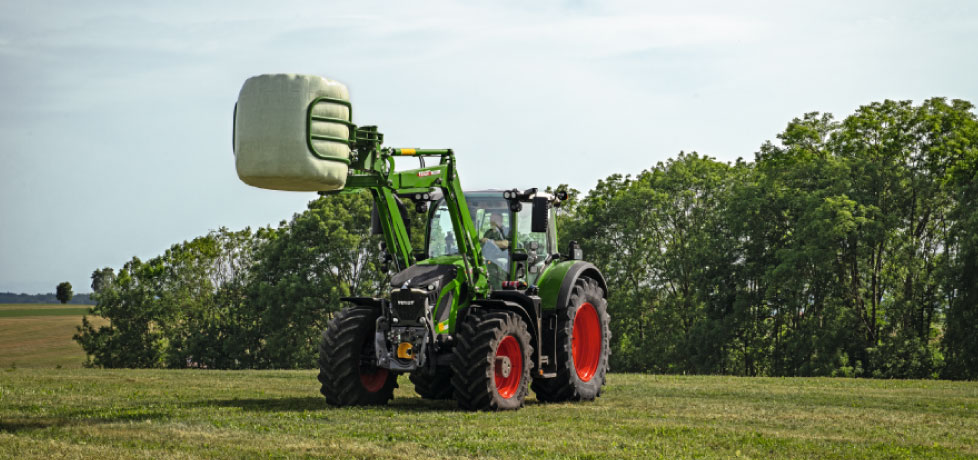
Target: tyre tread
(339, 360)
(472, 378)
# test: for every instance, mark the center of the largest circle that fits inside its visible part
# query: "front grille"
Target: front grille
(408, 304)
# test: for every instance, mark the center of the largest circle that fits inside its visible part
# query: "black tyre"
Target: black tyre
(433, 386)
(347, 367)
(583, 338)
(491, 362)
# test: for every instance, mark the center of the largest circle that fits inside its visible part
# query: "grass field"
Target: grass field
(81, 413)
(33, 335)
(93, 413)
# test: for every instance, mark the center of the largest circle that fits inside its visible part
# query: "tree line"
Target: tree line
(237, 299)
(52, 297)
(845, 248)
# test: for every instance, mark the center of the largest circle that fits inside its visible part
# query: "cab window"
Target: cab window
(441, 235)
(536, 244)
(491, 218)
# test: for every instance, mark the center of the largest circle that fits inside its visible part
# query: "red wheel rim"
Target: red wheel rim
(373, 380)
(508, 353)
(586, 341)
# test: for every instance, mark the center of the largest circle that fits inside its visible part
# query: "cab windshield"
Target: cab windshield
(491, 218)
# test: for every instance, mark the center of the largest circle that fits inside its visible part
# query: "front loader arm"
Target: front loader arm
(373, 169)
(445, 176)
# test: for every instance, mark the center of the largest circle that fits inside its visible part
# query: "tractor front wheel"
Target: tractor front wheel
(347, 362)
(583, 337)
(492, 361)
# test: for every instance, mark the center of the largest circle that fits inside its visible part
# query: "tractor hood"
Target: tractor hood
(425, 277)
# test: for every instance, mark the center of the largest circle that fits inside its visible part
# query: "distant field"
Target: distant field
(91, 413)
(47, 310)
(37, 335)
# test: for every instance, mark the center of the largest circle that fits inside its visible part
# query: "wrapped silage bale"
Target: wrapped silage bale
(290, 133)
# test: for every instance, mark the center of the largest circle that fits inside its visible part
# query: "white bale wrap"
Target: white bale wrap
(275, 133)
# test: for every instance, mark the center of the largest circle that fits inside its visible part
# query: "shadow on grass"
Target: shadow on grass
(14, 425)
(26, 424)
(266, 404)
(299, 404)
(423, 405)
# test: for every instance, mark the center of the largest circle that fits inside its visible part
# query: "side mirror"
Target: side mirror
(541, 214)
(574, 251)
(520, 256)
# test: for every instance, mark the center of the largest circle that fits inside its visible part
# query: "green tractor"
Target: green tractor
(485, 311)
(489, 308)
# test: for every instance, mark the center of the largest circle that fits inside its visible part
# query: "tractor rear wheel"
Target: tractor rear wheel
(491, 362)
(583, 337)
(347, 362)
(433, 386)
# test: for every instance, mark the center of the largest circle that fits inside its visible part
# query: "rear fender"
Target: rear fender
(557, 282)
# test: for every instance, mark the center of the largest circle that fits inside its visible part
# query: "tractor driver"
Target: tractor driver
(495, 232)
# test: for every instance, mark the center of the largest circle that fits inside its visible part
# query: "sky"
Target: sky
(115, 117)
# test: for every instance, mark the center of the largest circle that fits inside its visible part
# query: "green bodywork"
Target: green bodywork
(550, 282)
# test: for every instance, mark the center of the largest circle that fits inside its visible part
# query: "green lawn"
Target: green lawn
(51, 412)
(78, 413)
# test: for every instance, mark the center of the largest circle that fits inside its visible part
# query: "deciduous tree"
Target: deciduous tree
(63, 292)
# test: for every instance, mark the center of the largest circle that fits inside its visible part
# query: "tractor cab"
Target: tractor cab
(514, 249)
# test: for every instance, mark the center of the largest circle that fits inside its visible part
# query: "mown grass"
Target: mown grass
(40, 335)
(83, 413)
